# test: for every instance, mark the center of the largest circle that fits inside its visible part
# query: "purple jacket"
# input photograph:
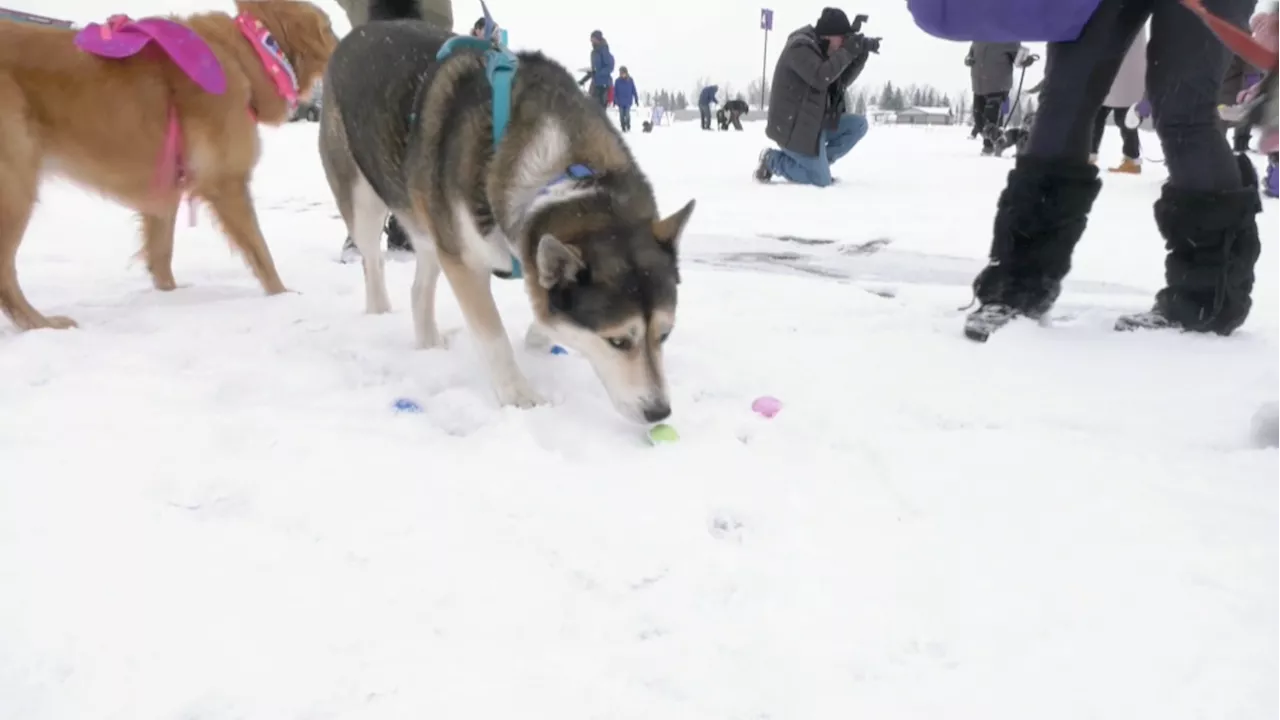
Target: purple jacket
(1003, 20)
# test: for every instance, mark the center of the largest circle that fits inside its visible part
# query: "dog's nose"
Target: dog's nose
(657, 413)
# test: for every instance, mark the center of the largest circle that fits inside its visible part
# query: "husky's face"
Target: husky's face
(612, 297)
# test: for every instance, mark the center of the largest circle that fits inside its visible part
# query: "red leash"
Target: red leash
(1239, 41)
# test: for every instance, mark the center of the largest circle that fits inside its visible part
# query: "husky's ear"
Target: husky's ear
(557, 263)
(668, 229)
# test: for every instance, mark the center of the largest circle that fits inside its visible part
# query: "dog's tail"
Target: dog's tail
(439, 13)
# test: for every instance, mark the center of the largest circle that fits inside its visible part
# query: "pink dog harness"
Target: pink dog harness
(121, 37)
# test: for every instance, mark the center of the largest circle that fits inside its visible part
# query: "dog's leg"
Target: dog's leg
(234, 209)
(157, 248)
(475, 297)
(423, 300)
(368, 214)
(19, 183)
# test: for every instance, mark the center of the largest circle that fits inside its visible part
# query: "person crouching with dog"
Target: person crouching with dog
(731, 114)
(808, 117)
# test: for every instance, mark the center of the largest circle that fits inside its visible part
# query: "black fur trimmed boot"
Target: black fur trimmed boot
(1039, 219)
(1212, 244)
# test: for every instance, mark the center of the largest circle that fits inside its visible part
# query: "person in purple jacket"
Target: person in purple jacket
(1207, 211)
(624, 96)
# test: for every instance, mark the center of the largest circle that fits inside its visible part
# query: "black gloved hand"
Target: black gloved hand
(872, 45)
(1028, 61)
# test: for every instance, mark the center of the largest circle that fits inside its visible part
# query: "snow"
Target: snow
(208, 508)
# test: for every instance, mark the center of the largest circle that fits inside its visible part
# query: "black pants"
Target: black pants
(1241, 136)
(735, 119)
(988, 120)
(601, 94)
(705, 112)
(977, 115)
(1132, 145)
(1185, 66)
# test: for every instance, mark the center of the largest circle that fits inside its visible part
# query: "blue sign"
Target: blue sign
(766, 19)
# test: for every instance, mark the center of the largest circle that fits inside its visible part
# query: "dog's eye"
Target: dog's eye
(663, 337)
(620, 343)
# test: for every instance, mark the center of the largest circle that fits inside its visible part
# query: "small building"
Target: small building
(880, 117)
(17, 16)
(925, 116)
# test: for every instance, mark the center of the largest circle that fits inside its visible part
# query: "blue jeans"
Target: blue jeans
(816, 169)
(624, 117)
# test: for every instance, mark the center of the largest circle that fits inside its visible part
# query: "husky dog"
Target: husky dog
(557, 197)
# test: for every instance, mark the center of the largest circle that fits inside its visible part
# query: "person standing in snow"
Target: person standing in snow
(808, 117)
(1126, 92)
(1207, 211)
(991, 73)
(601, 73)
(624, 96)
(706, 98)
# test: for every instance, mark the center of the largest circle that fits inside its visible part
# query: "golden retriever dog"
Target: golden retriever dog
(111, 123)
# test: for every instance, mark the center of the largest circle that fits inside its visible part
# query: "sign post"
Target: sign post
(766, 24)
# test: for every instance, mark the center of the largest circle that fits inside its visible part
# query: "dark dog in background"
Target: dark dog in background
(1013, 137)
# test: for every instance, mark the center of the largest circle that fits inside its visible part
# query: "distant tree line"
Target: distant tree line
(667, 99)
(888, 97)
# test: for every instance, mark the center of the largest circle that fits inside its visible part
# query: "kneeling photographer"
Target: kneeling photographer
(808, 117)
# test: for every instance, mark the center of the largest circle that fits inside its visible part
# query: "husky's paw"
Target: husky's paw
(376, 302)
(536, 339)
(436, 340)
(349, 254)
(517, 392)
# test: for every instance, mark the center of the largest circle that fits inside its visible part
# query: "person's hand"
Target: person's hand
(1028, 61)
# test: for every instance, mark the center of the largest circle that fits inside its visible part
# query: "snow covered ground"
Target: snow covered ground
(209, 510)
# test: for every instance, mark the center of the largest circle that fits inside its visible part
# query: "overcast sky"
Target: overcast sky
(664, 43)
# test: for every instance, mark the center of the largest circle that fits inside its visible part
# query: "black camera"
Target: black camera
(871, 45)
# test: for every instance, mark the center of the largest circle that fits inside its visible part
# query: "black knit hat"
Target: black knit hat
(833, 22)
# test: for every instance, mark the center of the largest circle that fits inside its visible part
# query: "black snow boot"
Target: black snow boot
(1212, 245)
(1039, 219)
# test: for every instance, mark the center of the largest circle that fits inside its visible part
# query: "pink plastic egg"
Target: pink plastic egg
(767, 406)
